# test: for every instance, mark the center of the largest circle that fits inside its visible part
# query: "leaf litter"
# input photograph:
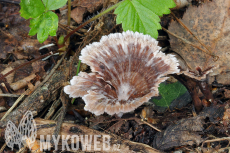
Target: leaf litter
(180, 130)
(210, 22)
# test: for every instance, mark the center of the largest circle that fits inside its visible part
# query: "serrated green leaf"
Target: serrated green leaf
(44, 25)
(143, 15)
(31, 8)
(168, 93)
(54, 4)
(159, 7)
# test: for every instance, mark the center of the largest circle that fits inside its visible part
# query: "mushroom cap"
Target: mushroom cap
(127, 69)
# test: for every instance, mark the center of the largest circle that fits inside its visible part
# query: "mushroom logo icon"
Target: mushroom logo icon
(26, 132)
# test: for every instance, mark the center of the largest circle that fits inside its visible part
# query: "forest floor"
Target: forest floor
(191, 114)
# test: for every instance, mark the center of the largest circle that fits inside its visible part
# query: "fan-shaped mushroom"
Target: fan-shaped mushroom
(127, 69)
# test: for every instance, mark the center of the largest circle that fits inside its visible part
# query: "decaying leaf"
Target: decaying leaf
(116, 127)
(210, 22)
(10, 77)
(22, 83)
(226, 117)
(187, 131)
(7, 45)
(21, 77)
(184, 132)
(226, 93)
(84, 6)
(77, 14)
(14, 39)
(91, 5)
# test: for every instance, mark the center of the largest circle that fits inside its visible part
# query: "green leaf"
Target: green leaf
(143, 15)
(44, 25)
(168, 93)
(54, 4)
(31, 8)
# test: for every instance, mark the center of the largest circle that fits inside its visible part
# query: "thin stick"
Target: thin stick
(68, 21)
(217, 139)
(9, 95)
(68, 29)
(151, 126)
(15, 104)
(92, 19)
(3, 147)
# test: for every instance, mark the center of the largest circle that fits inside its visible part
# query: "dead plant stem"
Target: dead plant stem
(68, 20)
(92, 19)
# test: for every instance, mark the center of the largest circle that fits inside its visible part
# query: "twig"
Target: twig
(7, 34)
(63, 110)
(15, 104)
(9, 95)
(139, 121)
(92, 19)
(68, 20)
(52, 109)
(3, 147)
(214, 140)
(68, 29)
(151, 126)
(57, 114)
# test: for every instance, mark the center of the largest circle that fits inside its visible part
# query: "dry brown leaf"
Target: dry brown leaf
(226, 93)
(14, 39)
(226, 117)
(184, 132)
(21, 77)
(116, 127)
(22, 83)
(210, 22)
(77, 14)
(30, 47)
(10, 77)
(38, 67)
(84, 6)
(7, 45)
(91, 5)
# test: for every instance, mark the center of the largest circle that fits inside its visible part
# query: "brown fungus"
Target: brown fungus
(127, 69)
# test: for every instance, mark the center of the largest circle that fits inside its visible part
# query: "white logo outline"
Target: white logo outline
(26, 131)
